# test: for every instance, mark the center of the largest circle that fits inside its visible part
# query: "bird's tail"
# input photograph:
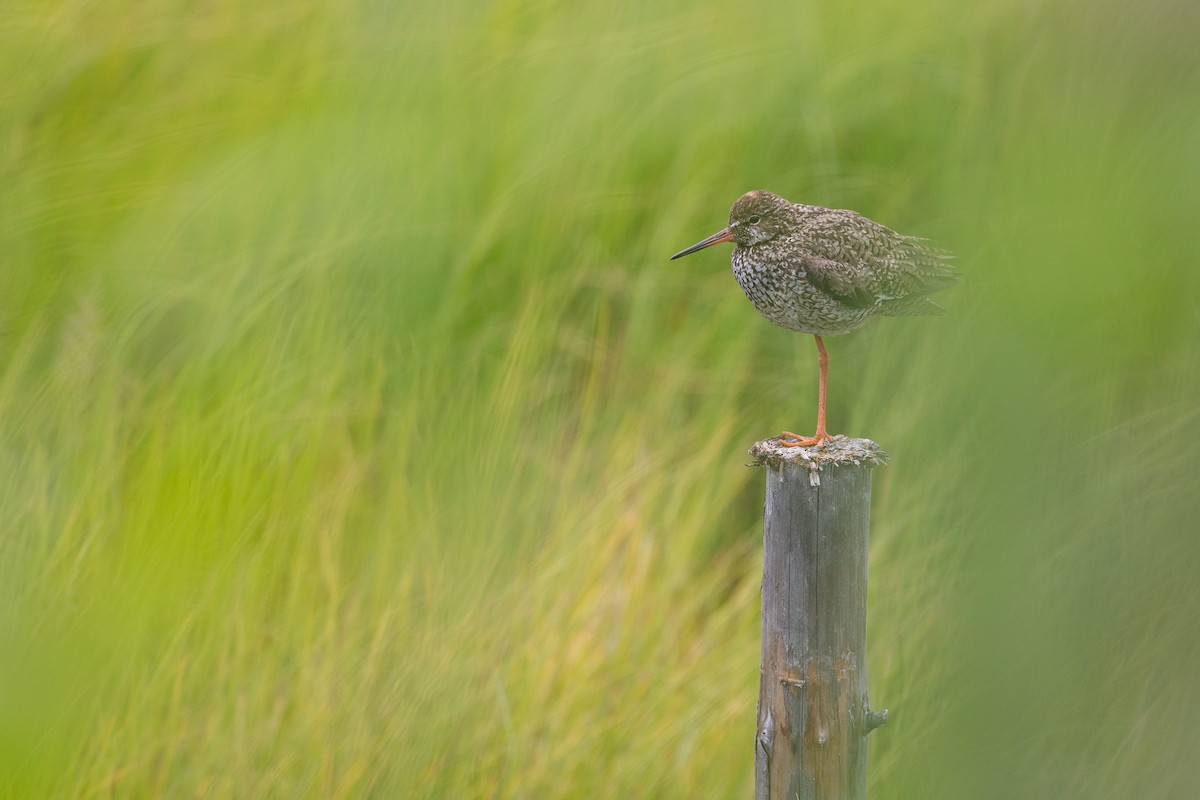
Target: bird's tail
(928, 272)
(909, 307)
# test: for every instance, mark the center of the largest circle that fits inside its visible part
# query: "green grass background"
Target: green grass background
(357, 439)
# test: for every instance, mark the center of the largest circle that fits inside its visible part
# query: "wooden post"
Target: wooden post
(813, 716)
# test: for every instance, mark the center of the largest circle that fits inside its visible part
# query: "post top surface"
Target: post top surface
(837, 451)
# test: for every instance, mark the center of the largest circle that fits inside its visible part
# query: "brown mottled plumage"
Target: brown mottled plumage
(826, 271)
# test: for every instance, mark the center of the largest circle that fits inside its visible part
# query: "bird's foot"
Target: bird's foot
(789, 439)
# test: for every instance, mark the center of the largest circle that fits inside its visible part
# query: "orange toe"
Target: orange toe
(789, 439)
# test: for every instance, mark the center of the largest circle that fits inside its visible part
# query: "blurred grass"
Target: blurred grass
(358, 440)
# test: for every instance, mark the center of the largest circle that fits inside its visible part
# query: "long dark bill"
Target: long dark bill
(722, 235)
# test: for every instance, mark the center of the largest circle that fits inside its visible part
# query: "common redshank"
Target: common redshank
(826, 271)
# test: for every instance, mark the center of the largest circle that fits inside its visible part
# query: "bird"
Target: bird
(826, 271)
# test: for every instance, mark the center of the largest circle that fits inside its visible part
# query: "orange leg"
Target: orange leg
(789, 439)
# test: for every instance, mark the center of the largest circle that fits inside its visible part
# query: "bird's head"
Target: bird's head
(755, 218)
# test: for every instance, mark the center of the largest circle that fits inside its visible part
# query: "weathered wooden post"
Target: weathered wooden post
(813, 716)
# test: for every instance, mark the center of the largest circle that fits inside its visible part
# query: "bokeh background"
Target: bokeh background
(357, 438)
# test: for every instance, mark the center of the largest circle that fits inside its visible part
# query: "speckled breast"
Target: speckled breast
(784, 296)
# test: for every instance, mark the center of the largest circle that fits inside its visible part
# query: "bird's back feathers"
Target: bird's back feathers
(862, 263)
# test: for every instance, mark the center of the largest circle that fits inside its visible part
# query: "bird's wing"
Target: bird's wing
(850, 284)
(859, 259)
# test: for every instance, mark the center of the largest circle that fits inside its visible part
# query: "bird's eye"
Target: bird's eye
(754, 219)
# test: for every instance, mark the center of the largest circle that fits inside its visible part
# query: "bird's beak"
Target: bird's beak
(723, 235)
